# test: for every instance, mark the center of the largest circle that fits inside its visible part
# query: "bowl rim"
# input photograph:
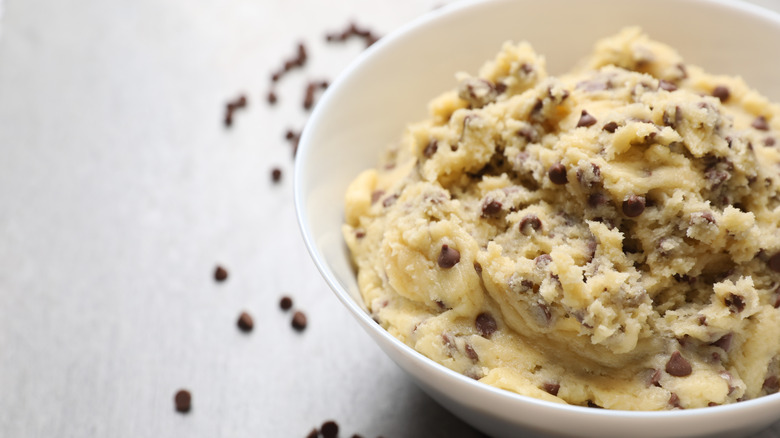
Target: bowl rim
(302, 213)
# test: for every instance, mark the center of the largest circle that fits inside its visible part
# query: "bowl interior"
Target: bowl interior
(367, 107)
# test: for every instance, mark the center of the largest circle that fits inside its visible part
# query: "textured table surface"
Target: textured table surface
(121, 190)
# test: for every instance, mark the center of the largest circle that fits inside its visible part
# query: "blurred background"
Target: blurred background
(122, 188)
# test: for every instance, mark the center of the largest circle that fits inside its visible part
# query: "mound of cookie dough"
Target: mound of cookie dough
(605, 238)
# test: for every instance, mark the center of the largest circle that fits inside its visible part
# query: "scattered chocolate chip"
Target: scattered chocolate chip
(486, 324)
(314, 433)
(530, 223)
(285, 303)
(299, 321)
(271, 97)
(276, 174)
(760, 123)
(491, 208)
(634, 205)
(678, 366)
(771, 385)
(298, 61)
(183, 401)
(666, 85)
(551, 387)
(774, 262)
(448, 257)
(557, 174)
(293, 137)
(735, 303)
(471, 354)
(329, 429)
(586, 120)
(721, 92)
(220, 273)
(724, 342)
(232, 106)
(245, 322)
(610, 127)
(430, 148)
(353, 30)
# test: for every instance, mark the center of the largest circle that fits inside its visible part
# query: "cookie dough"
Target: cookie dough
(605, 238)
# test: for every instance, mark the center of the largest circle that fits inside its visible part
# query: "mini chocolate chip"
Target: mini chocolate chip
(360, 234)
(491, 208)
(448, 257)
(655, 377)
(678, 366)
(183, 401)
(610, 127)
(721, 92)
(543, 260)
(666, 85)
(586, 120)
(551, 387)
(478, 267)
(285, 303)
(774, 262)
(329, 429)
(390, 200)
(735, 303)
(674, 400)
(771, 385)
(299, 321)
(530, 222)
(220, 273)
(760, 123)
(593, 405)
(271, 97)
(430, 148)
(500, 87)
(769, 141)
(486, 324)
(245, 322)
(596, 199)
(724, 342)
(557, 174)
(376, 195)
(276, 174)
(634, 205)
(471, 353)
(776, 304)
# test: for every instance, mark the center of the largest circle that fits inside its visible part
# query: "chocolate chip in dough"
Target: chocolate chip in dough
(486, 324)
(551, 387)
(299, 321)
(530, 223)
(586, 120)
(724, 342)
(610, 127)
(596, 199)
(491, 208)
(430, 148)
(735, 303)
(674, 400)
(721, 92)
(557, 174)
(448, 257)
(285, 303)
(220, 273)
(774, 262)
(760, 123)
(634, 205)
(666, 85)
(329, 429)
(183, 401)
(678, 366)
(245, 322)
(771, 385)
(471, 353)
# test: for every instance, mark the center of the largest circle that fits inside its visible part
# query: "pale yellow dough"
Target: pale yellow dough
(643, 279)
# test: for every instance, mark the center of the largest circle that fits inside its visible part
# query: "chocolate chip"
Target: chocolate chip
(478, 267)
(674, 400)
(390, 200)
(299, 321)
(586, 120)
(285, 303)
(314, 433)
(678, 366)
(376, 195)
(771, 385)
(183, 401)
(735, 303)
(596, 199)
(530, 222)
(232, 106)
(666, 85)
(769, 141)
(551, 387)
(276, 174)
(634, 205)
(245, 322)
(220, 273)
(486, 324)
(610, 127)
(448, 257)
(353, 30)
(360, 234)
(543, 260)
(760, 123)
(430, 148)
(471, 353)
(557, 174)
(724, 342)
(776, 304)
(500, 87)
(311, 88)
(774, 262)
(491, 208)
(721, 92)
(329, 429)
(655, 377)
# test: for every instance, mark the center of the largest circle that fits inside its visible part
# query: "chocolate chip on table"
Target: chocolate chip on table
(220, 273)
(311, 88)
(232, 106)
(551, 387)
(285, 303)
(634, 205)
(329, 429)
(293, 137)
(530, 223)
(299, 321)
(721, 92)
(491, 208)
(245, 322)
(760, 123)
(678, 366)
(610, 127)
(314, 433)
(271, 97)
(183, 401)
(276, 174)
(557, 174)
(448, 257)
(486, 324)
(430, 148)
(586, 120)
(298, 61)
(353, 30)
(774, 262)
(666, 85)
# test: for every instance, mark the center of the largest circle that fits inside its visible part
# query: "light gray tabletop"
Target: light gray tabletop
(121, 190)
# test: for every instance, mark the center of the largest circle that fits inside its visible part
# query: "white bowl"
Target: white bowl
(389, 86)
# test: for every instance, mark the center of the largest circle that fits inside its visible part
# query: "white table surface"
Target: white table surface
(120, 190)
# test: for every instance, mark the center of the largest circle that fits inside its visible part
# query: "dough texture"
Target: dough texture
(607, 238)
